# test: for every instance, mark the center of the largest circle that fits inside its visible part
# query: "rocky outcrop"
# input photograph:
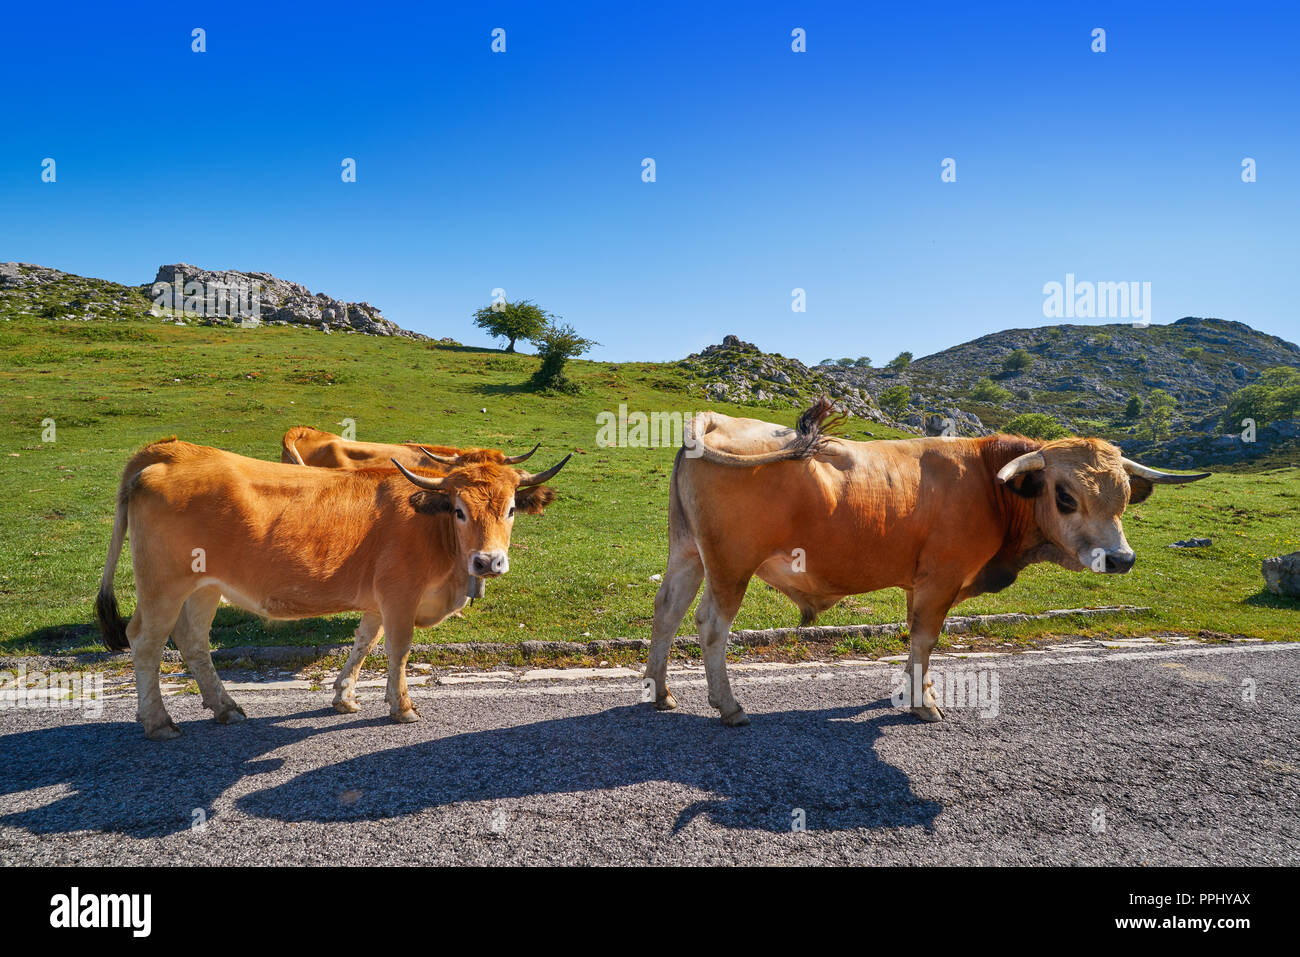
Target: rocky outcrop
(1282, 575)
(21, 275)
(1204, 449)
(30, 290)
(272, 301)
(183, 294)
(741, 372)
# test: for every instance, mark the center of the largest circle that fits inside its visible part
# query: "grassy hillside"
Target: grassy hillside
(582, 569)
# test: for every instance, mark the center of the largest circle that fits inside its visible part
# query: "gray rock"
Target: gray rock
(279, 301)
(1282, 575)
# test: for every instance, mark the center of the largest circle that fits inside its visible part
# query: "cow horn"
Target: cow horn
(1029, 462)
(440, 459)
(516, 459)
(525, 479)
(432, 484)
(1160, 478)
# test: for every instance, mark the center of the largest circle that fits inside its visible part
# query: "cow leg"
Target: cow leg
(147, 634)
(713, 618)
(191, 634)
(680, 585)
(364, 640)
(924, 621)
(398, 639)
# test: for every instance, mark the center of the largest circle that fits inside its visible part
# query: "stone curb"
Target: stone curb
(303, 654)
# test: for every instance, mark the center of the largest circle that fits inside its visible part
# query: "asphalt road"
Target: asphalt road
(1145, 755)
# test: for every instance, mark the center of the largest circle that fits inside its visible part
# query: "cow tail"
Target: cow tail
(678, 523)
(816, 426)
(818, 423)
(112, 627)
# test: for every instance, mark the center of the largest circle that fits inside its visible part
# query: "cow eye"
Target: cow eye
(1065, 503)
(460, 514)
(511, 513)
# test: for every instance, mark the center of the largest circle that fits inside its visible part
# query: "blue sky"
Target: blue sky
(775, 170)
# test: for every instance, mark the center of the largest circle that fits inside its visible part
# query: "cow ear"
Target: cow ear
(1139, 489)
(1027, 484)
(534, 499)
(431, 503)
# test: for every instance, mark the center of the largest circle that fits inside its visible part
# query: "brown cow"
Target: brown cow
(287, 542)
(819, 517)
(303, 445)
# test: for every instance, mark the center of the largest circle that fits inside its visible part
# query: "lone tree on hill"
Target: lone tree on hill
(900, 361)
(1160, 410)
(556, 345)
(512, 320)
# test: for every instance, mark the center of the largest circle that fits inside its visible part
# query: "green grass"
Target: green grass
(581, 570)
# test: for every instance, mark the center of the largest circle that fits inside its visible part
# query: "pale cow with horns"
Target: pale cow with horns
(820, 517)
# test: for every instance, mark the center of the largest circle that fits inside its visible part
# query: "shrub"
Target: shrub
(1160, 407)
(1018, 361)
(1134, 407)
(894, 400)
(556, 345)
(1036, 425)
(1275, 395)
(986, 390)
(900, 361)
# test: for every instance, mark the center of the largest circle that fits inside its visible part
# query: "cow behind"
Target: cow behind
(287, 542)
(303, 445)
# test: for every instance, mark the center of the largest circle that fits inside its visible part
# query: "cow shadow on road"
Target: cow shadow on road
(104, 776)
(822, 762)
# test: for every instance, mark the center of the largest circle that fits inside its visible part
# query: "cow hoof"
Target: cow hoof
(409, 716)
(928, 713)
(164, 732)
(232, 715)
(737, 718)
(666, 703)
(346, 705)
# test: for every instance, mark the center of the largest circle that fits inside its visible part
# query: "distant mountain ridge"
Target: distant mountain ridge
(1081, 372)
(1084, 376)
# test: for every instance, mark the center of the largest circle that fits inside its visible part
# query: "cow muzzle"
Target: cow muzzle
(1119, 563)
(489, 564)
(1108, 561)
